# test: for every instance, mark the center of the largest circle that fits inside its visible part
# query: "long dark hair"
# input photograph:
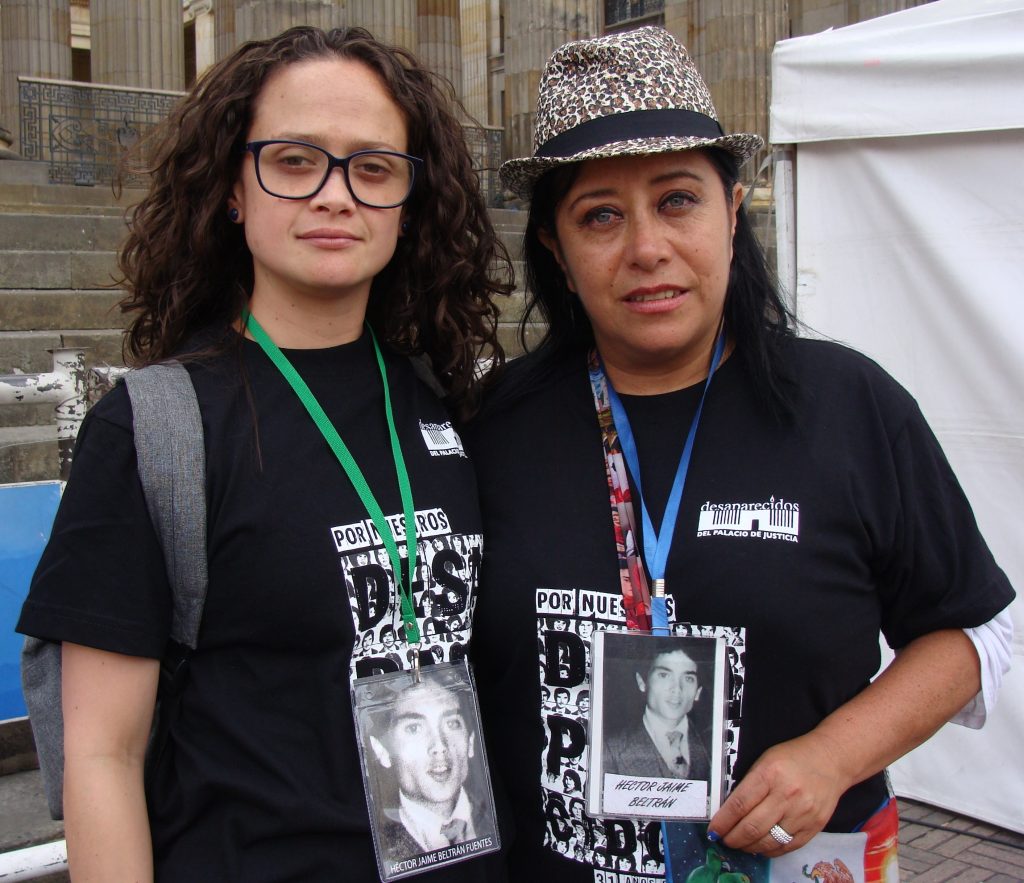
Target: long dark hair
(756, 317)
(186, 266)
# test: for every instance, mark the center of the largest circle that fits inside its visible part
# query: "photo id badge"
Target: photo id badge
(657, 731)
(424, 769)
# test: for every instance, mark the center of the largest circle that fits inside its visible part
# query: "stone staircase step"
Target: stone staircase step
(32, 269)
(93, 269)
(19, 200)
(28, 453)
(24, 171)
(26, 351)
(509, 337)
(28, 269)
(507, 217)
(32, 310)
(26, 182)
(519, 268)
(29, 231)
(513, 241)
(512, 307)
(17, 747)
(26, 820)
(27, 415)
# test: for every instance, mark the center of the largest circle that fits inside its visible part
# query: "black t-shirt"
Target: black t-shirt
(262, 779)
(815, 533)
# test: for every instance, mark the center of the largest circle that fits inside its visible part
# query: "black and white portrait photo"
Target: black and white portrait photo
(429, 794)
(660, 712)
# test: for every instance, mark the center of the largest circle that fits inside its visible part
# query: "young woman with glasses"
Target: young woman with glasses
(313, 205)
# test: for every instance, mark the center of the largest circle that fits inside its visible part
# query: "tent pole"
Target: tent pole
(785, 221)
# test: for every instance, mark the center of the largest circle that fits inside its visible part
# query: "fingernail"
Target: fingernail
(713, 837)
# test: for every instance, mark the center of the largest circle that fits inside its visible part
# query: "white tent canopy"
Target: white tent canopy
(945, 67)
(901, 232)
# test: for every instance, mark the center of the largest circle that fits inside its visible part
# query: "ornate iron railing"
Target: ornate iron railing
(84, 131)
(485, 148)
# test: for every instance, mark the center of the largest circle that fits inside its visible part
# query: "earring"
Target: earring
(405, 226)
(233, 215)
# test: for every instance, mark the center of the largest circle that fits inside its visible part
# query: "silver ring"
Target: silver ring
(780, 835)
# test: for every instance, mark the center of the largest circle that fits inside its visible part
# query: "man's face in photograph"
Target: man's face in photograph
(671, 686)
(428, 745)
(584, 704)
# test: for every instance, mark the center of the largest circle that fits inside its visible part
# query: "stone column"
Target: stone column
(814, 16)
(138, 44)
(731, 42)
(439, 40)
(238, 21)
(36, 42)
(678, 14)
(496, 103)
(390, 21)
(862, 10)
(224, 42)
(474, 38)
(205, 35)
(533, 30)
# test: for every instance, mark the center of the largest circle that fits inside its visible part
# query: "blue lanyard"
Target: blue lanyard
(657, 544)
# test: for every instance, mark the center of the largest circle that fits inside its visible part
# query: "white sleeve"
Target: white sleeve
(994, 643)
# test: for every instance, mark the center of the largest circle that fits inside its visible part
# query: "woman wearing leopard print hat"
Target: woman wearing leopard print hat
(794, 501)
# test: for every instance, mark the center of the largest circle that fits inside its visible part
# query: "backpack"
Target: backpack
(172, 468)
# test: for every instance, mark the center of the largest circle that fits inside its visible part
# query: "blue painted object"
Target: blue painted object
(26, 516)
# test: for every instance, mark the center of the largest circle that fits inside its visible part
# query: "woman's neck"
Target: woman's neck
(303, 323)
(648, 379)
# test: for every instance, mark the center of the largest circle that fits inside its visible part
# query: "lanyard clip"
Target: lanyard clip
(659, 610)
(416, 663)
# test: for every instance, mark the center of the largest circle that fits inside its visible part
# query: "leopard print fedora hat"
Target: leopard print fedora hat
(626, 94)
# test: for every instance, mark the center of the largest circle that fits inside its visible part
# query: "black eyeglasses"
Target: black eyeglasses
(297, 170)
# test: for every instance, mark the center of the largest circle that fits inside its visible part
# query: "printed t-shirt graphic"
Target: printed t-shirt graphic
(444, 591)
(566, 622)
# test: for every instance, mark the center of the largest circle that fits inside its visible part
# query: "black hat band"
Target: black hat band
(634, 124)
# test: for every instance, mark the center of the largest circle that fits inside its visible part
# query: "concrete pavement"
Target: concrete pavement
(937, 846)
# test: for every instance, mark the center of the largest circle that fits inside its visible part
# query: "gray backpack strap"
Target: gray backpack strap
(41, 686)
(172, 469)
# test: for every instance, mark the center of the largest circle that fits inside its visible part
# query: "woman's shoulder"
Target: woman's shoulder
(830, 361)
(529, 381)
(114, 408)
(829, 371)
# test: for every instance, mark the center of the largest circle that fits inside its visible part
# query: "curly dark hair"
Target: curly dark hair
(756, 316)
(186, 266)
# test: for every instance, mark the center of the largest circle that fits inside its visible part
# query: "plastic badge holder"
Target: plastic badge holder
(424, 769)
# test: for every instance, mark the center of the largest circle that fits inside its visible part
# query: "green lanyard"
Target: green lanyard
(354, 473)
